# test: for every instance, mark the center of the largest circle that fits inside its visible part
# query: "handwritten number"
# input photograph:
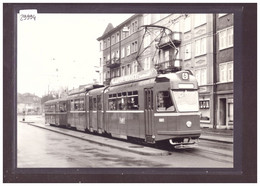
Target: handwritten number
(25, 17)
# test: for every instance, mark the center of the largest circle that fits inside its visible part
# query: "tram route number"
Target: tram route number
(25, 17)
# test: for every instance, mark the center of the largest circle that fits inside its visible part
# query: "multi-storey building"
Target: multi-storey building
(119, 48)
(224, 70)
(193, 45)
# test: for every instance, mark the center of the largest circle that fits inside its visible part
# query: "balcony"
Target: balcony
(169, 66)
(166, 41)
(113, 63)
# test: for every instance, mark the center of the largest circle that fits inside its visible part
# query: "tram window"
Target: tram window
(112, 104)
(94, 103)
(57, 107)
(62, 107)
(81, 105)
(99, 106)
(126, 101)
(72, 105)
(122, 103)
(164, 101)
(132, 103)
(77, 105)
(65, 107)
(90, 103)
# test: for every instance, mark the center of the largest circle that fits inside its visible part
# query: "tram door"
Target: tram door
(99, 114)
(148, 114)
(90, 116)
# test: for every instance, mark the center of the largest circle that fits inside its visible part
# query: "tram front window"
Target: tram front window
(187, 101)
(164, 101)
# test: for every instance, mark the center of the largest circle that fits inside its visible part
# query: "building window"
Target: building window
(200, 19)
(128, 69)
(134, 47)
(204, 104)
(135, 69)
(123, 71)
(201, 76)
(123, 53)
(105, 44)
(187, 54)
(108, 42)
(128, 50)
(226, 72)
(147, 63)
(187, 24)
(132, 27)
(108, 57)
(100, 46)
(113, 40)
(135, 26)
(123, 33)
(226, 38)
(127, 33)
(117, 37)
(200, 46)
(117, 54)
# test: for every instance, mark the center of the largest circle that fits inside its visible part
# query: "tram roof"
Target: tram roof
(85, 89)
(55, 100)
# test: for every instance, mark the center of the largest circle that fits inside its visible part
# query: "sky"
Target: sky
(58, 50)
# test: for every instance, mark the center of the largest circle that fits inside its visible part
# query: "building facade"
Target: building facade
(119, 48)
(224, 69)
(200, 43)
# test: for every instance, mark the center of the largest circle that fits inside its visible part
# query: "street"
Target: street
(39, 148)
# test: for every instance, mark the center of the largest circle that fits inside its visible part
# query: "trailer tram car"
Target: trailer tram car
(146, 106)
(56, 112)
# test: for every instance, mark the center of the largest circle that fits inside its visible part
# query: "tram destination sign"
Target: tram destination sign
(142, 75)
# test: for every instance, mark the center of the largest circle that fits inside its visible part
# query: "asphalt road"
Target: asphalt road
(39, 148)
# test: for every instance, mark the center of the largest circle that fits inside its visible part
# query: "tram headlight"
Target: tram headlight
(189, 124)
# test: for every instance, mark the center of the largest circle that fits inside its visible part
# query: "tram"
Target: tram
(145, 106)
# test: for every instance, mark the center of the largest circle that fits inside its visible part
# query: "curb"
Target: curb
(124, 145)
(216, 139)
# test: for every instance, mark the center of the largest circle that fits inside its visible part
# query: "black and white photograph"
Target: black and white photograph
(127, 91)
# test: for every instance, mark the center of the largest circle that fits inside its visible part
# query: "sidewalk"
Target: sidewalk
(220, 135)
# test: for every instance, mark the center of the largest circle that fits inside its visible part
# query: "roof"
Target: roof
(109, 30)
